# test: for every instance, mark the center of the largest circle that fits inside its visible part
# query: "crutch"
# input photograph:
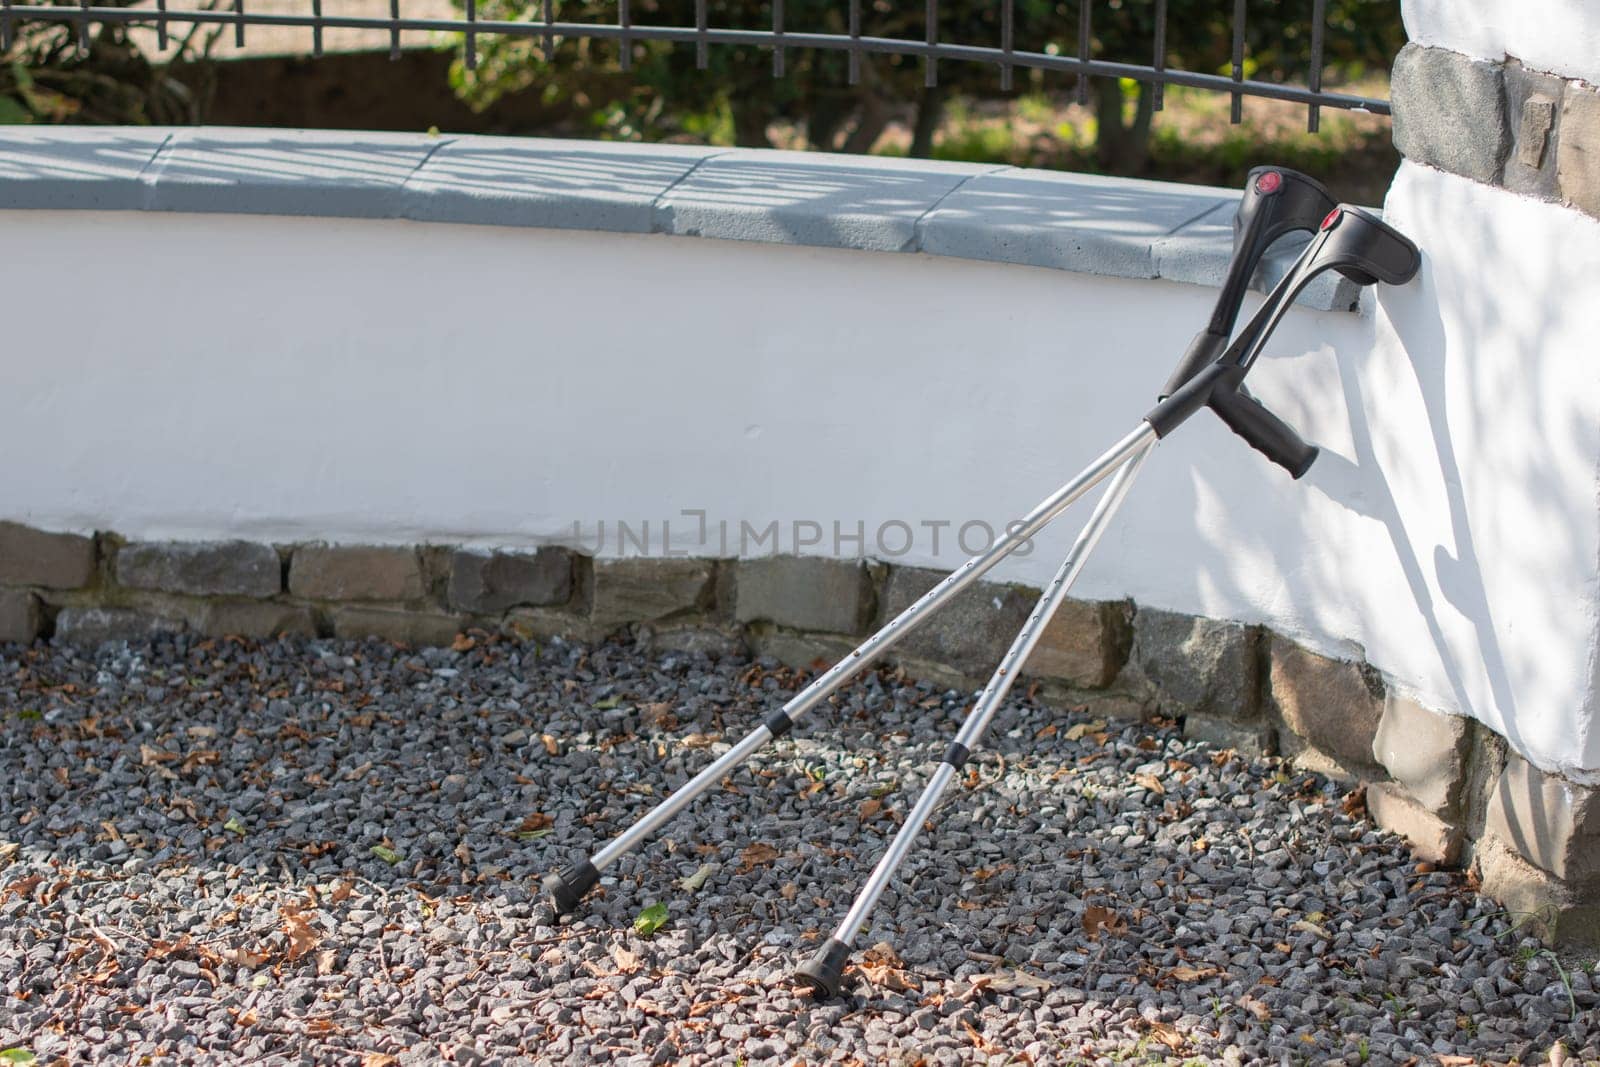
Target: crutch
(1349, 240)
(1276, 202)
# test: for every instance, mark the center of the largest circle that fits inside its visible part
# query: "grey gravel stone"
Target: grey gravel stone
(188, 829)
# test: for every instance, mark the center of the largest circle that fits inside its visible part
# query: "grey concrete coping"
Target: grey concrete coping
(1084, 223)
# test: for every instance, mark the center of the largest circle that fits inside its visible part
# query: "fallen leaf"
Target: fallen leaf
(378, 1059)
(463, 643)
(627, 962)
(984, 1045)
(700, 740)
(1006, 981)
(1354, 803)
(698, 878)
(882, 966)
(1168, 1035)
(1045, 731)
(1078, 731)
(386, 854)
(788, 891)
(325, 960)
(551, 745)
(1192, 974)
(1255, 1007)
(1097, 918)
(1150, 782)
(870, 810)
(234, 826)
(651, 919)
(756, 855)
(303, 937)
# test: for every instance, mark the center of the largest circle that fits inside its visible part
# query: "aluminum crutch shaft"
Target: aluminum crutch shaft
(566, 887)
(824, 971)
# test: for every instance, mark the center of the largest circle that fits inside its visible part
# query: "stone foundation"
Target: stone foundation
(1444, 783)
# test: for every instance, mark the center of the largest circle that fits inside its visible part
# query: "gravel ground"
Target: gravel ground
(328, 852)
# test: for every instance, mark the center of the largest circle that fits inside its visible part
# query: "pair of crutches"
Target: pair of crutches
(1211, 374)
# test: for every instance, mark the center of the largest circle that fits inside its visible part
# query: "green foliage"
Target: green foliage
(46, 77)
(733, 100)
(650, 919)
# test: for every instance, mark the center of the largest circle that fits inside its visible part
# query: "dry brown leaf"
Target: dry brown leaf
(463, 643)
(378, 1059)
(551, 745)
(536, 821)
(1183, 973)
(1151, 782)
(342, 891)
(757, 855)
(870, 809)
(627, 962)
(788, 891)
(160, 950)
(1078, 731)
(1097, 918)
(1255, 1007)
(700, 740)
(303, 937)
(1446, 1060)
(1354, 803)
(1168, 1035)
(1045, 731)
(984, 1045)
(1007, 981)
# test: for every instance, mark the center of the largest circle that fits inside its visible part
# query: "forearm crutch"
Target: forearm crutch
(1349, 240)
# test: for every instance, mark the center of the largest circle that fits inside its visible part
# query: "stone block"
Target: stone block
(1077, 222)
(645, 589)
(491, 582)
(1535, 898)
(1431, 838)
(404, 627)
(693, 640)
(201, 568)
(1449, 112)
(539, 624)
(970, 633)
(96, 626)
(1196, 666)
(1533, 112)
(356, 572)
(20, 618)
(806, 198)
(1578, 149)
(76, 167)
(802, 651)
(1551, 822)
(252, 618)
(1084, 645)
(805, 593)
(1333, 704)
(49, 560)
(268, 172)
(1250, 740)
(548, 183)
(1426, 752)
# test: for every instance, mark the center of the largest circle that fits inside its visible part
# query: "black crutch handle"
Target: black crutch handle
(1202, 352)
(1262, 430)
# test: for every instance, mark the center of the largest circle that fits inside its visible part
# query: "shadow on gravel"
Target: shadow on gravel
(323, 851)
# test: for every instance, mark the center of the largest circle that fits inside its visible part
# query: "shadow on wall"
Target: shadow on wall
(1497, 482)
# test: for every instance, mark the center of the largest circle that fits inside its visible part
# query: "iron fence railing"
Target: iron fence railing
(780, 38)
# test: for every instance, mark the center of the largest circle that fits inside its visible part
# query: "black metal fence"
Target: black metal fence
(1001, 53)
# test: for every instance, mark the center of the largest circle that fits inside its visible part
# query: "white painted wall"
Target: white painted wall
(282, 378)
(1557, 36)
